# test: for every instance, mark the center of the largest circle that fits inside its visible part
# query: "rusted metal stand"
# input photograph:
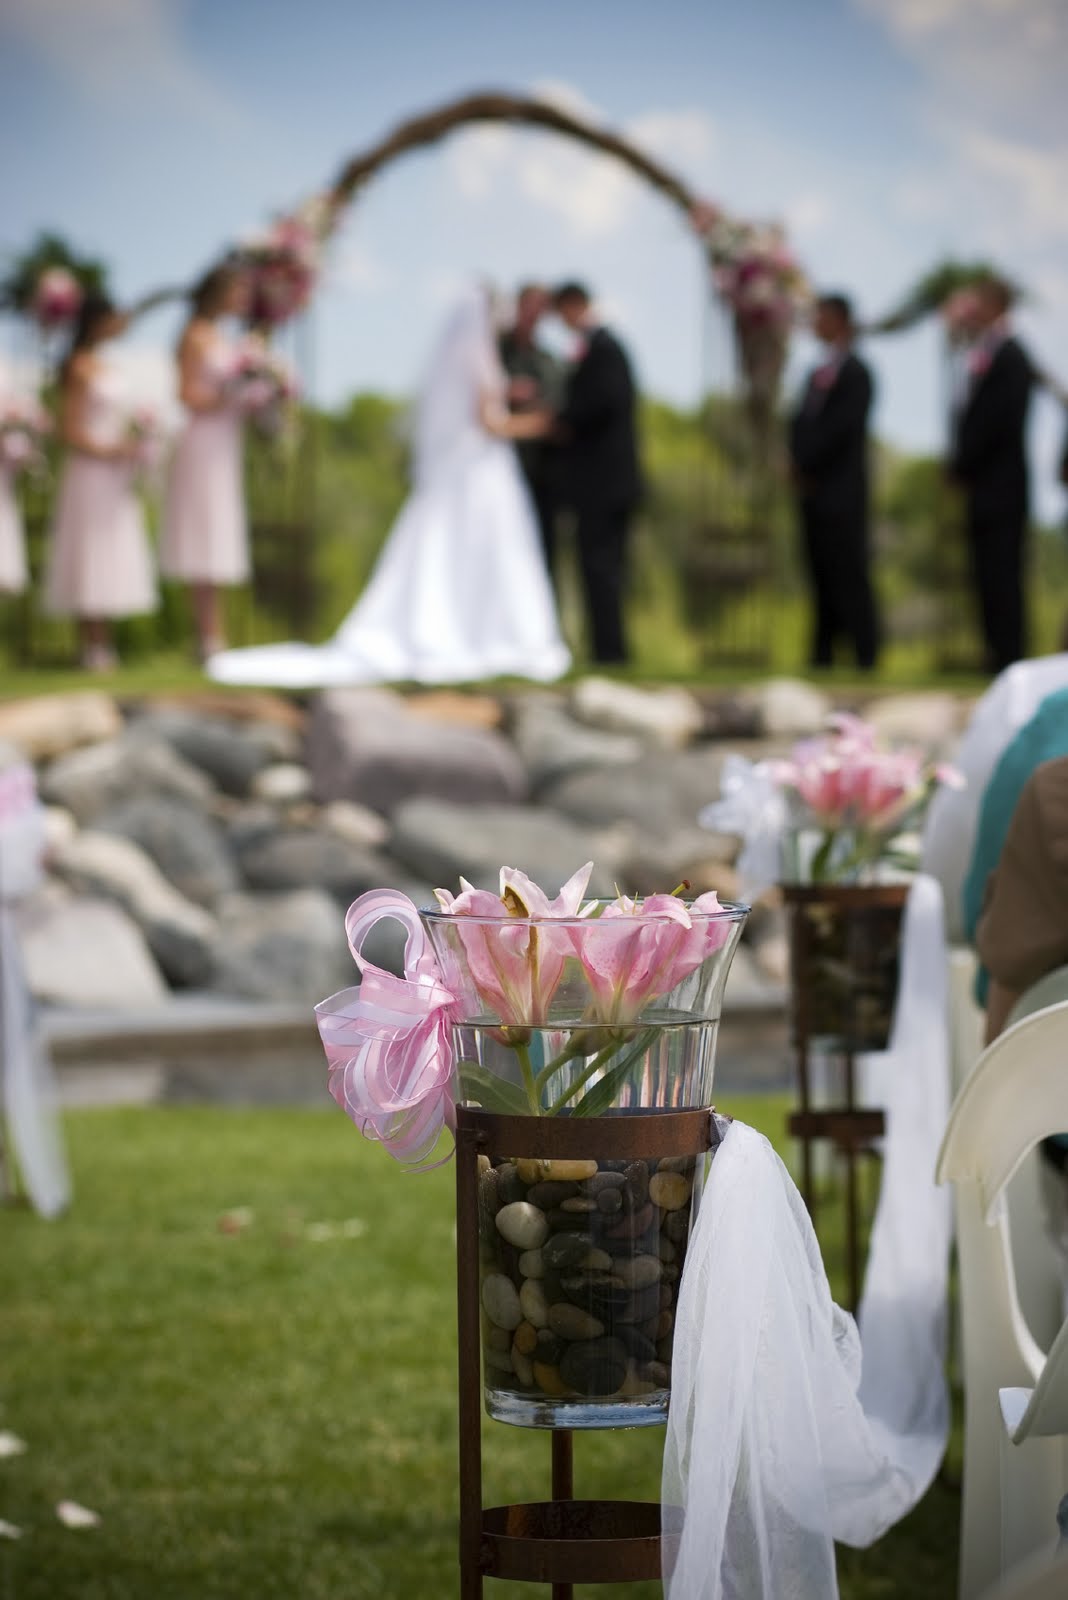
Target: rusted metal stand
(851, 1129)
(562, 1541)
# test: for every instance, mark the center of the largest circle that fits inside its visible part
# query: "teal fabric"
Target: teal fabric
(1044, 738)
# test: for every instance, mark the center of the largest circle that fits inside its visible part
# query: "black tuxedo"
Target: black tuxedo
(990, 460)
(829, 450)
(600, 481)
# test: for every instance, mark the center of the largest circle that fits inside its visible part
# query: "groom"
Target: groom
(600, 477)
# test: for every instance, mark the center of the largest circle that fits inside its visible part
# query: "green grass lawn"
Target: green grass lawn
(267, 1414)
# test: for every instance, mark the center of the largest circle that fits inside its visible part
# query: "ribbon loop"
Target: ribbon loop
(388, 1043)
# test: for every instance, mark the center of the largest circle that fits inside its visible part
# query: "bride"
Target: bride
(460, 591)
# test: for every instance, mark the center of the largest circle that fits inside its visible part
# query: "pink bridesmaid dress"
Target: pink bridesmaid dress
(205, 532)
(99, 564)
(13, 575)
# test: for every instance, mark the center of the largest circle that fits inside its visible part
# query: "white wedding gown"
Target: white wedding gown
(460, 591)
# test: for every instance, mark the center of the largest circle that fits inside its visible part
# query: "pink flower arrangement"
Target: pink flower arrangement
(581, 973)
(859, 796)
(24, 427)
(57, 298)
(145, 437)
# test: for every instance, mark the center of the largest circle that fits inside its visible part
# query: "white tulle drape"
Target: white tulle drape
(27, 1094)
(789, 1429)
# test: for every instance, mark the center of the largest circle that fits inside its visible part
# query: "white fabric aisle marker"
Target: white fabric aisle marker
(26, 1087)
(784, 1433)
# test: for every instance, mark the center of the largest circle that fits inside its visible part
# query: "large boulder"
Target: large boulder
(441, 842)
(659, 793)
(366, 745)
(86, 953)
(551, 743)
(669, 718)
(283, 947)
(790, 708)
(932, 720)
(89, 781)
(48, 725)
(188, 847)
(231, 753)
(180, 935)
(299, 858)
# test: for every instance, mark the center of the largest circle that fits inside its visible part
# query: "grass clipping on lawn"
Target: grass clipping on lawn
(239, 1350)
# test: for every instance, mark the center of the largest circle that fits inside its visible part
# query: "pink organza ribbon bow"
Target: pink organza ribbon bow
(388, 1043)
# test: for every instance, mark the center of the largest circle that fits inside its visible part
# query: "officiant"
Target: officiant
(536, 383)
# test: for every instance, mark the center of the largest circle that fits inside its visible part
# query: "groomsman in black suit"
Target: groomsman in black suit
(990, 461)
(829, 452)
(600, 475)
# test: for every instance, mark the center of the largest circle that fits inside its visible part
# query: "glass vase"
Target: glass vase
(581, 1259)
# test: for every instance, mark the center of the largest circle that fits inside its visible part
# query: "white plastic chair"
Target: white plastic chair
(1044, 1579)
(1015, 1398)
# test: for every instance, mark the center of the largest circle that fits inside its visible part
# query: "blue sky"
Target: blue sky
(884, 132)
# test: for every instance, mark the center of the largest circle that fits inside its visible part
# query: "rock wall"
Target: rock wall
(214, 842)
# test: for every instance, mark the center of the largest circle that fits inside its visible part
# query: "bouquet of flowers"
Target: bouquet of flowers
(24, 427)
(854, 802)
(146, 439)
(263, 386)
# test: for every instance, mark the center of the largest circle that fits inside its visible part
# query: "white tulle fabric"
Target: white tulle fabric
(953, 819)
(27, 1095)
(789, 1429)
(460, 591)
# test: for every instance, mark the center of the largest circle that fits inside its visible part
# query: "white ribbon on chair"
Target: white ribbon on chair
(26, 1089)
(789, 1429)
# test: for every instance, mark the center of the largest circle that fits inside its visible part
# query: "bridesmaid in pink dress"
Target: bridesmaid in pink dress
(13, 573)
(99, 566)
(205, 533)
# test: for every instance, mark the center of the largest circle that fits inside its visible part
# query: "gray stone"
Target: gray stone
(48, 725)
(365, 745)
(500, 1301)
(658, 859)
(188, 847)
(86, 953)
(231, 753)
(791, 708)
(551, 743)
(930, 720)
(297, 858)
(282, 947)
(180, 935)
(443, 842)
(354, 823)
(285, 784)
(656, 795)
(669, 717)
(87, 782)
(522, 1225)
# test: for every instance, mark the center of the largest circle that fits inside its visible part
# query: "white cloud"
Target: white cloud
(808, 212)
(352, 266)
(119, 53)
(592, 194)
(1032, 178)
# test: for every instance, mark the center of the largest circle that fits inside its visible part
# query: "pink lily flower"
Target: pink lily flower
(515, 965)
(638, 951)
